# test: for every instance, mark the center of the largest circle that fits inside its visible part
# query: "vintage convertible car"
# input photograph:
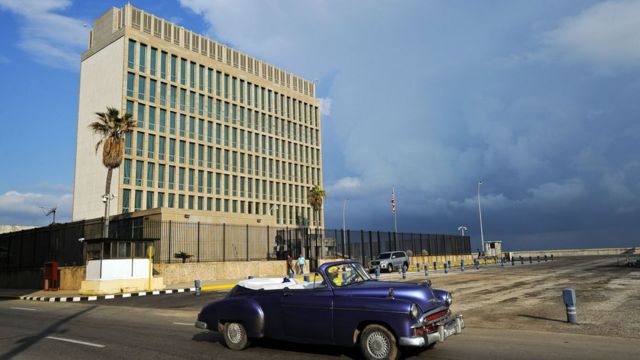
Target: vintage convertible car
(340, 305)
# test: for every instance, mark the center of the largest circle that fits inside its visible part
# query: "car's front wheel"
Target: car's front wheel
(377, 343)
(235, 336)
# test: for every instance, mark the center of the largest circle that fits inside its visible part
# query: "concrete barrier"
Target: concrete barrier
(180, 273)
(578, 252)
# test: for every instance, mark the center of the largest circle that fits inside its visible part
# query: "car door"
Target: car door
(308, 314)
(395, 260)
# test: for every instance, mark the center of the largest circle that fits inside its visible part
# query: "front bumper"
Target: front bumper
(451, 326)
(201, 325)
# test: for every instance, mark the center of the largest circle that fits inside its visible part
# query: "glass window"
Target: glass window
(143, 57)
(172, 178)
(183, 124)
(209, 80)
(152, 61)
(131, 54)
(127, 171)
(181, 201)
(218, 152)
(140, 123)
(161, 176)
(163, 66)
(163, 120)
(209, 157)
(181, 151)
(126, 195)
(218, 109)
(200, 181)
(209, 107)
(163, 93)
(192, 127)
(218, 80)
(201, 78)
(171, 201)
(201, 105)
(152, 118)
(183, 99)
(191, 176)
(151, 146)
(150, 173)
(174, 60)
(209, 182)
(181, 175)
(152, 90)
(172, 97)
(183, 71)
(192, 154)
(192, 75)
(209, 131)
(140, 144)
(218, 180)
(172, 123)
(160, 202)
(130, 81)
(139, 168)
(192, 102)
(128, 139)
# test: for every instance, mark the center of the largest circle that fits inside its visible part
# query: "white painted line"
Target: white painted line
(142, 293)
(184, 324)
(75, 341)
(108, 297)
(180, 290)
(51, 300)
(76, 298)
(92, 298)
(156, 292)
(192, 289)
(64, 299)
(126, 295)
(22, 308)
(168, 291)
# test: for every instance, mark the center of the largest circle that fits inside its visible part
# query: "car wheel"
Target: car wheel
(377, 343)
(235, 336)
(390, 268)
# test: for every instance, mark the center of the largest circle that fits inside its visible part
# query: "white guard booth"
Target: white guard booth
(119, 266)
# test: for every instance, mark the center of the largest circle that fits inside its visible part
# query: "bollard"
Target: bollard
(404, 272)
(521, 261)
(306, 278)
(502, 262)
(551, 257)
(485, 261)
(435, 266)
(530, 260)
(417, 267)
(569, 297)
(545, 258)
(449, 263)
(426, 270)
(446, 268)
(250, 277)
(477, 263)
(538, 258)
(197, 284)
(378, 273)
(462, 265)
(513, 261)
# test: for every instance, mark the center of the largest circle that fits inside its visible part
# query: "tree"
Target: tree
(316, 197)
(112, 128)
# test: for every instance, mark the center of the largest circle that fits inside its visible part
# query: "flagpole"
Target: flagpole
(395, 212)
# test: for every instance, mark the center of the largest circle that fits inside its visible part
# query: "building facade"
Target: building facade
(221, 137)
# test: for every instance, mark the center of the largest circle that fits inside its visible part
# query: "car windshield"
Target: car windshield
(384, 256)
(346, 274)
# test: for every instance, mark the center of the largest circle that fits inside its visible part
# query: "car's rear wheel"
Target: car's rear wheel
(377, 343)
(235, 336)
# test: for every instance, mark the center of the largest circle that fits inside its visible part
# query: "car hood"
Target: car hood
(421, 295)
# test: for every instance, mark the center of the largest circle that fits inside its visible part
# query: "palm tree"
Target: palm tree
(111, 128)
(315, 197)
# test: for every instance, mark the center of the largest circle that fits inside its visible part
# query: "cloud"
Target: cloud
(345, 185)
(4, 59)
(325, 106)
(27, 208)
(605, 35)
(50, 38)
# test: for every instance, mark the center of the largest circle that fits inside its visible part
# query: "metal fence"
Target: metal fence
(201, 242)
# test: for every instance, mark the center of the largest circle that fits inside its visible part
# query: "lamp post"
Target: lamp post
(462, 229)
(106, 198)
(480, 214)
(344, 222)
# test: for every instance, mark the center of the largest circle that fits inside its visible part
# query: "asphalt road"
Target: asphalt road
(161, 327)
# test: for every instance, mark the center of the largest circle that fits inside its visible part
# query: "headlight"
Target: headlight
(414, 312)
(449, 299)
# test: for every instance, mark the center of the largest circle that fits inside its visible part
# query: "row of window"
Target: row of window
(171, 177)
(284, 214)
(181, 71)
(181, 151)
(151, 118)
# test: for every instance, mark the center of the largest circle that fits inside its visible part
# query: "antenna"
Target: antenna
(50, 211)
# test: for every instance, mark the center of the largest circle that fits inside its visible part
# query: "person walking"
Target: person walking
(289, 265)
(301, 263)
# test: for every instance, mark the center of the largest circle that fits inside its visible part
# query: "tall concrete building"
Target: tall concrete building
(221, 136)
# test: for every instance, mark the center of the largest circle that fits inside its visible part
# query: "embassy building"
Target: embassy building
(220, 137)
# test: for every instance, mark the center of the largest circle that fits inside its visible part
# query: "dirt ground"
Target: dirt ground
(530, 296)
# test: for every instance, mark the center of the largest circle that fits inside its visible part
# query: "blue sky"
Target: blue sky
(539, 99)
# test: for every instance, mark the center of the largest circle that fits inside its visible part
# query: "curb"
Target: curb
(103, 297)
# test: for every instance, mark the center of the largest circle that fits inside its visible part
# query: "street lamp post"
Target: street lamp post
(106, 198)
(462, 229)
(480, 214)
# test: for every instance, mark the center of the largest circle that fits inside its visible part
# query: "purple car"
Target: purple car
(339, 305)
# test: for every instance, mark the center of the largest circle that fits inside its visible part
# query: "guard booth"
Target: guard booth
(117, 265)
(493, 249)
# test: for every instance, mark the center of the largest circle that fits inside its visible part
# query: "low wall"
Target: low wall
(578, 252)
(183, 273)
(71, 277)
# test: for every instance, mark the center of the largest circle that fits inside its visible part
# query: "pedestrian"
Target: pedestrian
(301, 263)
(289, 265)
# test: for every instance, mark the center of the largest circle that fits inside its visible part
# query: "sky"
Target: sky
(536, 99)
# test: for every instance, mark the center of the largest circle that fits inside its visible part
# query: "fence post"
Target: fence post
(344, 249)
(169, 241)
(349, 242)
(362, 245)
(378, 235)
(268, 242)
(370, 247)
(247, 242)
(421, 245)
(224, 242)
(198, 251)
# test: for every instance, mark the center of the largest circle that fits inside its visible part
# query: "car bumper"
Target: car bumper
(452, 327)
(201, 325)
